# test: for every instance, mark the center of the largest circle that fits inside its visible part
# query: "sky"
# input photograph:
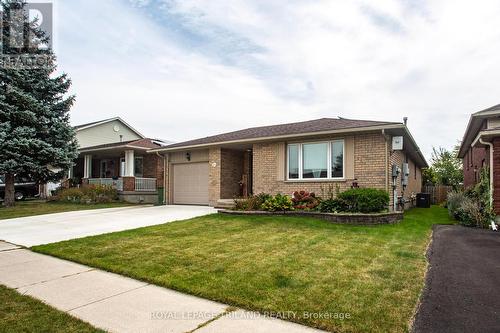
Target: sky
(184, 69)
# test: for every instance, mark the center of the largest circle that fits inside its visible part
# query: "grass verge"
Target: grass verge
(20, 313)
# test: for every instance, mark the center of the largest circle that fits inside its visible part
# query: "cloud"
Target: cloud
(186, 69)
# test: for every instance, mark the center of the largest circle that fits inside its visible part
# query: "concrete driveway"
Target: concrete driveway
(50, 228)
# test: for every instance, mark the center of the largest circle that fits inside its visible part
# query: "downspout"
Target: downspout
(491, 169)
(386, 162)
(165, 157)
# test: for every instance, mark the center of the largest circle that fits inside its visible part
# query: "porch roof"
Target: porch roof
(140, 145)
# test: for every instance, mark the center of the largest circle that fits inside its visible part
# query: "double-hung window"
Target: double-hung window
(316, 160)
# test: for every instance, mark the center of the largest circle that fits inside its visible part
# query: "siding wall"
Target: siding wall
(104, 134)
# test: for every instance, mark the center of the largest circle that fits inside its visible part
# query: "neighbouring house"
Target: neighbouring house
(111, 152)
(308, 155)
(481, 148)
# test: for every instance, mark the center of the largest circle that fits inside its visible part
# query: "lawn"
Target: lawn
(19, 313)
(276, 264)
(39, 207)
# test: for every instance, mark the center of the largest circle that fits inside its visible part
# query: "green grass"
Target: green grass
(39, 207)
(375, 274)
(19, 313)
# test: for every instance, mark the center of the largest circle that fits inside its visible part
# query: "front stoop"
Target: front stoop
(225, 204)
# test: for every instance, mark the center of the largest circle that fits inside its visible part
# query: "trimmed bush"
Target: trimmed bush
(364, 200)
(278, 203)
(91, 194)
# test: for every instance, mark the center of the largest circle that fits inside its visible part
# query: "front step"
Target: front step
(225, 204)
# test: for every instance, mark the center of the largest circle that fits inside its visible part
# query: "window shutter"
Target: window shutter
(349, 157)
(280, 161)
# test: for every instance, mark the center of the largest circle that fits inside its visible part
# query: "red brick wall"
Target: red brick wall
(496, 175)
(153, 168)
(128, 184)
(472, 164)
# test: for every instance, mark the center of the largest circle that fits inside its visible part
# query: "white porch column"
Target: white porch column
(87, 166)
(129, 163)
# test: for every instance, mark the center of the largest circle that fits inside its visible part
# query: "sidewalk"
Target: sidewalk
(119, 304)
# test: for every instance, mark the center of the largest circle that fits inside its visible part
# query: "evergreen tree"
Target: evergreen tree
(36, 139)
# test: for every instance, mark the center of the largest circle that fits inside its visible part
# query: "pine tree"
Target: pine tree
(36, 139)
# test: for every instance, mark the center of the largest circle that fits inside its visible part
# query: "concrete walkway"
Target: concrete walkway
(51, 228)
(119, 304)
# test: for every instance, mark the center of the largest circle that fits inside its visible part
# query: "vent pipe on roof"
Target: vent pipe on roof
(405, 120)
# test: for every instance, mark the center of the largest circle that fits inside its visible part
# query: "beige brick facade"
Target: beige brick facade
(369, 171)
(372, 168)
(368, 163)
(214, 175)
(414, 179)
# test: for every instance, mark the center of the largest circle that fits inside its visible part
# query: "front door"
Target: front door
(107, 168)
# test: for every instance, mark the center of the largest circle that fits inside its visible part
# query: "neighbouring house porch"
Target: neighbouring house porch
(136, 175)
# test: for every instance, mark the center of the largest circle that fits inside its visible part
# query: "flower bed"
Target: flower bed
(337, 218)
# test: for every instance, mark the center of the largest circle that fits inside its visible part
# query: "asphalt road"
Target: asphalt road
(462, 291)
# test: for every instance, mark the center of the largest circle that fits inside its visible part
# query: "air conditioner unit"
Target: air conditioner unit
(397, 143)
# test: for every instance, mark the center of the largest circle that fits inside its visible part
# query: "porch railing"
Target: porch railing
(145, 184)
(114, 183)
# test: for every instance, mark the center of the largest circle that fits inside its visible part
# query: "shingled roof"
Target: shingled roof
(305, 127)
(145, 144)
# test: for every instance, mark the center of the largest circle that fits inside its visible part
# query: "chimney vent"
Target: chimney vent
(405, 120)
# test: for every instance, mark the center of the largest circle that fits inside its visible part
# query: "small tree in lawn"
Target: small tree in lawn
(36, 139)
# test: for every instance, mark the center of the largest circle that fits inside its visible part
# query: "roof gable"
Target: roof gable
(105, 121)
(113, 130)
(475, 125)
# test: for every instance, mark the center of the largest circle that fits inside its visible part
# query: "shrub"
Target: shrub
(253, 202)
(304, 200)
(470, 214)
(454, 202)
(332, 206)
(365, 200)
(91, 194)
(277, 203)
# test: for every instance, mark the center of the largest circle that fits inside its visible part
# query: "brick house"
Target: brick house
(284, 158)
(481, 148)
(111, 152)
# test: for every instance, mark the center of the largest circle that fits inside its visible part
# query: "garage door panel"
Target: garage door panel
(190, 184)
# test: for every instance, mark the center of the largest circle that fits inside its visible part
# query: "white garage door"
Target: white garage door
(190, 184)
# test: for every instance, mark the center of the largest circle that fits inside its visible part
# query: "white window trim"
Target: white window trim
(301, 164)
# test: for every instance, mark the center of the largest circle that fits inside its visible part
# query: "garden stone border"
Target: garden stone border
(354, 219)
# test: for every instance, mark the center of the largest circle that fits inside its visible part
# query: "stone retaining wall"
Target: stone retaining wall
(355, 219)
